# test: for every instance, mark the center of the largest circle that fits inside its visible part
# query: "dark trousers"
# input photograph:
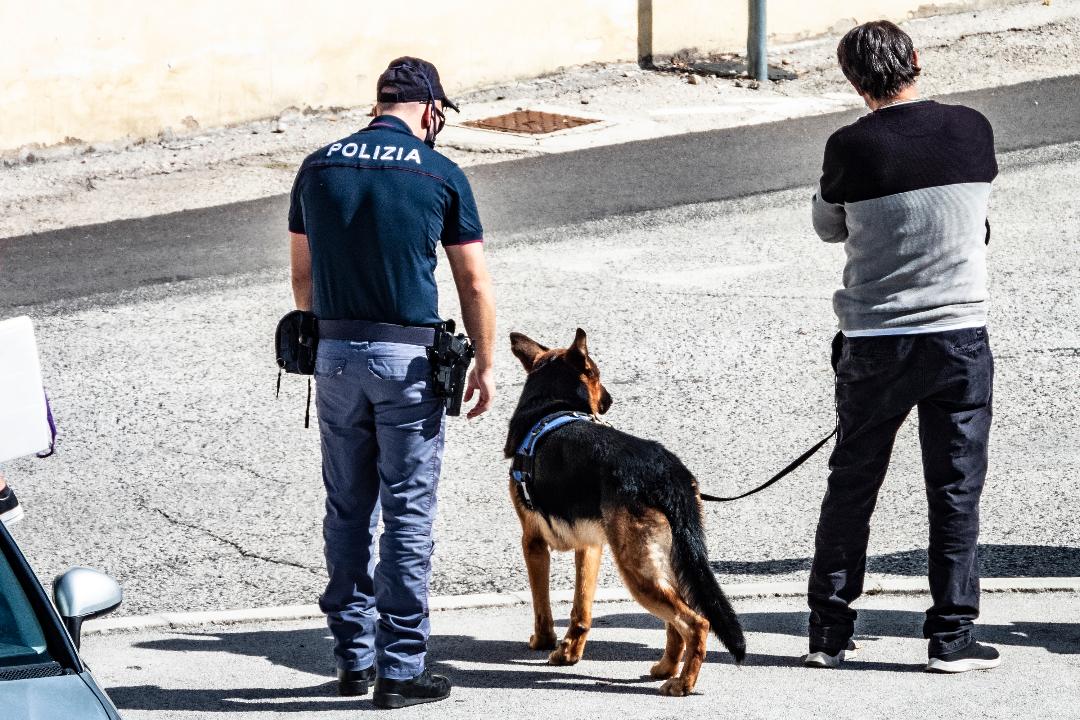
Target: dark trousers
(949, 377)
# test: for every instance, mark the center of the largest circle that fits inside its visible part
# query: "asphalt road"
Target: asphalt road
(523, 195)
(283, 670)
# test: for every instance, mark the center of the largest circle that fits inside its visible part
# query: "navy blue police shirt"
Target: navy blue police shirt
(375, 206)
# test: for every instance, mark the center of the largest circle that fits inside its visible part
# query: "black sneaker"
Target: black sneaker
(973, 657)
(11, 511)
(423, 688)
(353, 683)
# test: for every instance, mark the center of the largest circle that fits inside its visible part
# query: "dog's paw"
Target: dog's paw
(563, 655)
(542, 641)
(675, 687)
(663, 669)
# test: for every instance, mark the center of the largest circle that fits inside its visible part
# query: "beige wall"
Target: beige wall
(721, 24)
(96, 70)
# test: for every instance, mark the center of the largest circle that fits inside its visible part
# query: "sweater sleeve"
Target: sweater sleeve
(830, 220)
(829, 217)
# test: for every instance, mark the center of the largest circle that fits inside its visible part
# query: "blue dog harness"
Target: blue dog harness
(522, 467)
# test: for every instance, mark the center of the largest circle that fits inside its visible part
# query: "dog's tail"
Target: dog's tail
(691, 560)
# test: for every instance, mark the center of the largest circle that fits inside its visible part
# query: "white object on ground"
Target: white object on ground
(24, 421)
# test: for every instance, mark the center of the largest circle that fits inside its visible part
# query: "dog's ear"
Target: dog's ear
(578, 352)
(525, 349)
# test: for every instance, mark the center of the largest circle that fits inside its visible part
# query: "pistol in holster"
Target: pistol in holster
(450, 356)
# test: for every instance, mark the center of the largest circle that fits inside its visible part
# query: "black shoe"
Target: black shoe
(973, 657)
(10, 510)
(423, 688)
(353, 683)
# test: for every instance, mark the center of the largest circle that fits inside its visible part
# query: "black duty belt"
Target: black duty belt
(365, 331)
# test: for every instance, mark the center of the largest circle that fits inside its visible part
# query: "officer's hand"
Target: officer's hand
(484, 381)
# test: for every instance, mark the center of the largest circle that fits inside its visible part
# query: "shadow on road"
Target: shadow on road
(1005, 561)
(511, 665)
(310, 651)
(1060, 638)
(232, 700)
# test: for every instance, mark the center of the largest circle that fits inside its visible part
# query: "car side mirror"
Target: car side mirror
(81, 594)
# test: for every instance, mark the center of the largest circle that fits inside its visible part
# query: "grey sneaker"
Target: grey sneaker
(818, 658)
(11, 511)
(974, 657)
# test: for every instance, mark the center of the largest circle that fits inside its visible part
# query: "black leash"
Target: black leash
(796, 463)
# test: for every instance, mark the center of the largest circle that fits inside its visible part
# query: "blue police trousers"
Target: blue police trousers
(949, 377)
(382, 432)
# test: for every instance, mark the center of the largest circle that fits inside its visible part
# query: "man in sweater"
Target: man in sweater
(906, 190)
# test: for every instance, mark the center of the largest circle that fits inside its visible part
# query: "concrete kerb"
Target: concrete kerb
(874, 586)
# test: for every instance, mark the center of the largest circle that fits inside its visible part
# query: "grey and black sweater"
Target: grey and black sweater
(906, 190)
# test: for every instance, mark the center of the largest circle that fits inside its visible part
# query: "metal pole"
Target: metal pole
(757, 65)
(645, 34)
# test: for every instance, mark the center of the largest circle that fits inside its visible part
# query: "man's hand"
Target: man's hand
(484, 382)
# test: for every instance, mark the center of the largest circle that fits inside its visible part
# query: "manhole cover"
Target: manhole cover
(533, 122)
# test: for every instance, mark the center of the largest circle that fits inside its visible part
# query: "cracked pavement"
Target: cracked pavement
(179, 473)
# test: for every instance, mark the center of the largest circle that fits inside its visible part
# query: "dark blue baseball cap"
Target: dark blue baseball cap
(412, 80)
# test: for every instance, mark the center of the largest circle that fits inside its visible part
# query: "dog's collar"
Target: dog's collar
(521, 468)
(546, 425)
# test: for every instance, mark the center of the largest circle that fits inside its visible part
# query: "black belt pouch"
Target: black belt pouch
(296, 342)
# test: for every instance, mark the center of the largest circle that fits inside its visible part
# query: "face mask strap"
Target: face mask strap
(437, 118)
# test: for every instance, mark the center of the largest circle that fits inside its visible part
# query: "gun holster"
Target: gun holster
(296, 342)
(450, 356)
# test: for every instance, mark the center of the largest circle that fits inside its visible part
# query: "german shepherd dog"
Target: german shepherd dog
(594, 485)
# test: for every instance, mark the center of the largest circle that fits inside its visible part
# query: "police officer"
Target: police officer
(366, 217)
